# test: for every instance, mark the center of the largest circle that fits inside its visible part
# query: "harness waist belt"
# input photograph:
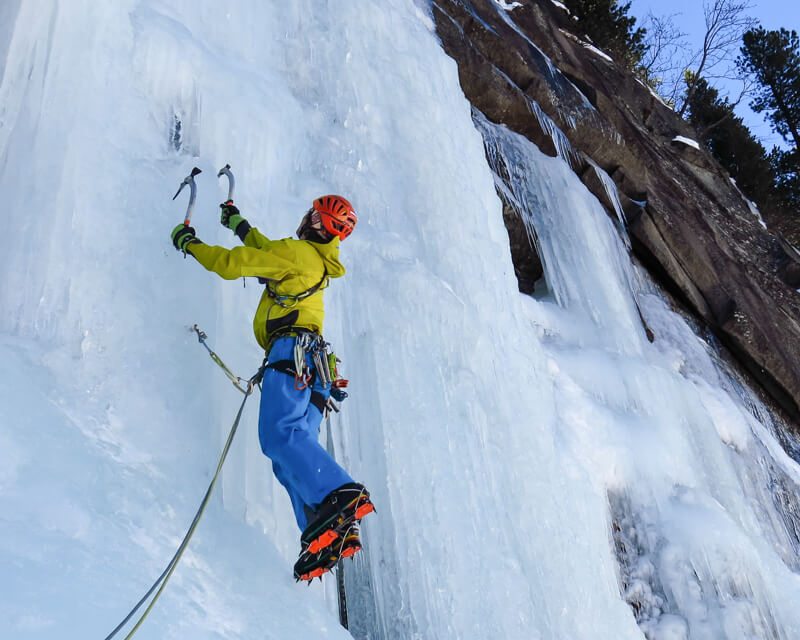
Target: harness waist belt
(287, 367)
(287, 332)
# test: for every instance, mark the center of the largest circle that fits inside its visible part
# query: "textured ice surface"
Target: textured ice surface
(505, 439)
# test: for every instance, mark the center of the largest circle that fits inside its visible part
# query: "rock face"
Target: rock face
(688, 223)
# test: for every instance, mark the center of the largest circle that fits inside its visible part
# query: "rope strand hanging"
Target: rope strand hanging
(163, 579)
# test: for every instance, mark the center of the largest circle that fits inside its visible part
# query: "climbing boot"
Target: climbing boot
(334, 516)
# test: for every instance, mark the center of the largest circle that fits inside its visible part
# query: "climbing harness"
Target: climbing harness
(290, 300)
(324, 360)
(162, 580)
(324, 368)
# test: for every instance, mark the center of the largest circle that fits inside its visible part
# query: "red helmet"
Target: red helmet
(338, 216)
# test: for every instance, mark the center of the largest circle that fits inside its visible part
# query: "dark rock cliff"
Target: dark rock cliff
(688, 223)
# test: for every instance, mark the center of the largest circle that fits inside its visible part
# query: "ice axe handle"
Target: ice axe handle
(226, 171)
(192, 194)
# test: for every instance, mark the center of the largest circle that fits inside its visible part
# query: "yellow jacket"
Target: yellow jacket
(292, 267)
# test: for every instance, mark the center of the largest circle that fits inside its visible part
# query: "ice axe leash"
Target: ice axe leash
(162, 580)
(192, 194)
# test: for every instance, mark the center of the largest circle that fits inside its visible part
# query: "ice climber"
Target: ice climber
(300, 375)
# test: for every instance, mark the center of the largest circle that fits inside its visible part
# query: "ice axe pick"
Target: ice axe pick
(192, 195)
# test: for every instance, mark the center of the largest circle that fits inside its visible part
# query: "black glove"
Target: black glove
(183, 236)
(229, 217)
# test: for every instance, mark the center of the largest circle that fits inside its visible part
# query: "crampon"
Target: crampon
(314, 565)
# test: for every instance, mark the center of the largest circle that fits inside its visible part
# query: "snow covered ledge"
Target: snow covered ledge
(687, 141)
(506, 5)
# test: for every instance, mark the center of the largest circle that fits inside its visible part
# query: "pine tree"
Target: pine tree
(607, 24)
(733, 144)
(773, 57)
(787, 178)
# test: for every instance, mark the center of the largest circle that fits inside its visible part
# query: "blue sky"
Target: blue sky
(772, 14)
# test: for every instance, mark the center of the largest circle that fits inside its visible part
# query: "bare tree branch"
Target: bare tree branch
(665, 42)
(726, 21)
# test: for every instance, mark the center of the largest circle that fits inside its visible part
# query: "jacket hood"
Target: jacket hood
(329, 252)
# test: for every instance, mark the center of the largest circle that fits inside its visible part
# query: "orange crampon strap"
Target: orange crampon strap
(351, 551)
(363, 510)
(316, 573)
(325, 540)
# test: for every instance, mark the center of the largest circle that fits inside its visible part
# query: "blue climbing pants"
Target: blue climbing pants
(288, 429)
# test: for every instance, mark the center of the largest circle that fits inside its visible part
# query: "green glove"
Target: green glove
(183, 236)
(230, 217)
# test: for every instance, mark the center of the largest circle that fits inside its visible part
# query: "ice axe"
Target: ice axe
(193, 194)
(226, 171)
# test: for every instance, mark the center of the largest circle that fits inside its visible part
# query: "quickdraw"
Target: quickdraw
(202, 337)
(303, 376)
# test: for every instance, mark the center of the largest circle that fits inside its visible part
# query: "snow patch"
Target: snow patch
(687, 141)
(750, 205)
(654, 93)
(561, 5)
(426, 19)
(587, 45)
(598, 52)
(505, 5)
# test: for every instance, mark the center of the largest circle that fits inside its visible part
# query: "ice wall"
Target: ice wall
(702, 521)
